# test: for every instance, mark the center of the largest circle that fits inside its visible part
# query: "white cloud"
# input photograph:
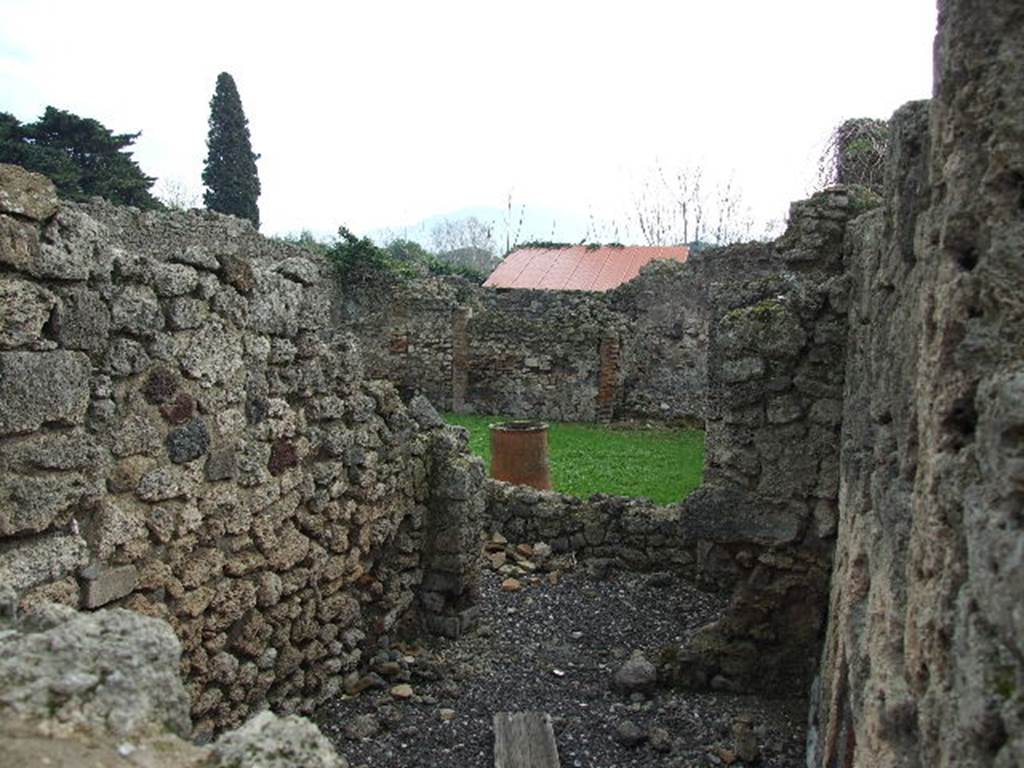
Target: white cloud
(373, 114)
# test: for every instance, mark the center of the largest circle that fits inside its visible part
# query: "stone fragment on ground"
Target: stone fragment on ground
(270, 741)
(745, 741)
(362, 727)
(629, 734)
(402, 691)
(660, 740)
(637, 675)
(62, 675)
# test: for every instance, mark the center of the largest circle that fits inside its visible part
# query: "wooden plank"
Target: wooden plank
(524, 740)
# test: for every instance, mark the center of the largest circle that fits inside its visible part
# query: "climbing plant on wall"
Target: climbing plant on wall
(855, 154)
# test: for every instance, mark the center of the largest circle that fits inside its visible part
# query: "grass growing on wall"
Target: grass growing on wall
(657, 463)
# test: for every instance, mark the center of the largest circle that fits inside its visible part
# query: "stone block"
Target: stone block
(35, 503)
(221, 465)
(63, 592)
(68, 248)
(197, 256)
(82, 320)
(289, 549)
(212, 354)
(116, 525)
(26, 309)
(299, 269)
(237, 272)
(424, 413)
(461, 479)
(784, 409)
(160, 386)
(173, 279)
(102, 585)
(37, 388)
(135, 436)
(19, 245)
(743, 369)
(277, 307)
(189, 442)
(164, 483)
(51, 450)
(125, 357)
(136, 310)
(277, 742)
(27, 194)
(730, 515)
(184, 313)
(28, 562)
(110, 672)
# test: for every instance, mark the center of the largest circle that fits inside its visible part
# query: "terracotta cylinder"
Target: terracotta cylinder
(519, 453)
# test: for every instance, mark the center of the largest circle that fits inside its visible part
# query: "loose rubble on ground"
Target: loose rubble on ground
(581, 642)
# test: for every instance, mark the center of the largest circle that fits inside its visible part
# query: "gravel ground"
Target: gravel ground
(554, 648)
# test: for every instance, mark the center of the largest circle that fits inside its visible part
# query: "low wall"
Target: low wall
(634, 532)
(628, 533)
(183, 433)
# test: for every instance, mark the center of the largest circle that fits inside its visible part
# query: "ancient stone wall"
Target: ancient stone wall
(636, 352)
(767, 509)
(924, 657)
(663, 345)
(184, 432)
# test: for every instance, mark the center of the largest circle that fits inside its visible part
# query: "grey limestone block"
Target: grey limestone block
(42, 387)
(102, 585)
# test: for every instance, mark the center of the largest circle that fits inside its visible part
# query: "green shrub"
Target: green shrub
(359, 259)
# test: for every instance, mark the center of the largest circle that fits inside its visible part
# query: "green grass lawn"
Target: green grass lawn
(657, 463)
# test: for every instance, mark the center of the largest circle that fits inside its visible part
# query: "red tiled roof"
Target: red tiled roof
(578, 267)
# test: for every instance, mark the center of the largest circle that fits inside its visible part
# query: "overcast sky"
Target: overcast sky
(375, 113)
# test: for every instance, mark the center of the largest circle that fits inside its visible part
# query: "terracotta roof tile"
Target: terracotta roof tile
(578, 267)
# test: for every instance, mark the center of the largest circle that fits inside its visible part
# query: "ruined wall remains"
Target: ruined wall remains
(184, 433)
(766, 513)
(664, 341)
(636, 352)
(865, 420)
(764, 521)
(924, 657)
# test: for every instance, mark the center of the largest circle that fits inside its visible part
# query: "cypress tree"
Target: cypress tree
(232, 184)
